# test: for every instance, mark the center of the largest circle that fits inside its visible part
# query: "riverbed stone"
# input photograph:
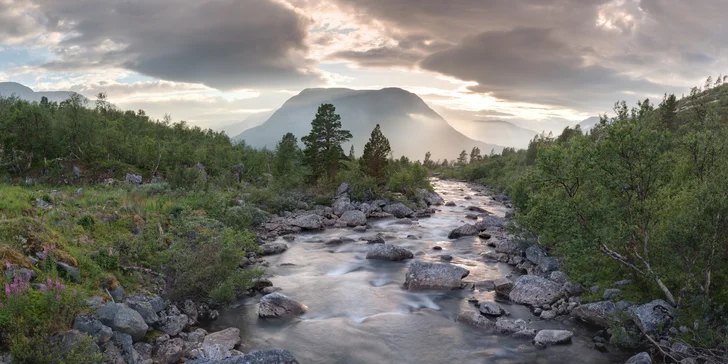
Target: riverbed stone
(503, 286)
(279, 305)
(534, 253)
(172, 321)
(474, 318)
(228, 338)
(611, 293)
(398, 210)
(491, 309)
(120, 317)
(546, 338)
(308, 222)
(465, 230)
(422, 275)
(535, 291)
(510, 326)
(273, 248)
(389, 252)
(353, 218)
(93, 327)
(596, 313)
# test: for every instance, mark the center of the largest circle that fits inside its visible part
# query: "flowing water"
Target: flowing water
(359, 311)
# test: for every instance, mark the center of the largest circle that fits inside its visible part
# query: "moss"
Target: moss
(8, 254)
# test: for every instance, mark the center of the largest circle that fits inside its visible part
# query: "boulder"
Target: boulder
(596, 313)
(535, 291)
(510, 326)
(125, 343)
(272, 356)
(172, 321)
(508, 247)
(142, 305)
(423, 275)
(546, 338)
(548, 264)
(611, 293)
(477, 209)
(450, 204)
(491, 309)
(474, 318)
(121, 318)
(279, 305)
(144, 350)
(360, 229)
(133, 179)
(273, 248)
(93, 327)
(170, 351)
(374, 239)
(548, 314)
(343, 190)
(471, 216)
(342, 205)
(118, 293)
(641, 358)
(431, 198)
(353, 218)
(398, 210)
(71, 272)
(503, 286)
(534, 253)
(228, 338)
(558, 277)
(68, 342)
(652, 317)
(465, 230)
(389, 252)
(308, 222)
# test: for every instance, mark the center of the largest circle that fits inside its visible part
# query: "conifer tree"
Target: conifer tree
(323, 144)
(374, 159)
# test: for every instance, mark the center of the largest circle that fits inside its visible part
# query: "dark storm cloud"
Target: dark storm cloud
(380, 57)
(225, 44)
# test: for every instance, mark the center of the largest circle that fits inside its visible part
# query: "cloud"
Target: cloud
(224, 44)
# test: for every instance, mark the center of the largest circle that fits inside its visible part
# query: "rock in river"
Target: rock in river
(353, 218)
(423, 275)
(399, 210)
(474, 318)
(279, 305)
(389, 252)
(308, 222)
(546, 338)
(273, 248)
(596, 313)
(228, 338)
(641, 358)
(535, 291)
(465, 230)
(491, 309)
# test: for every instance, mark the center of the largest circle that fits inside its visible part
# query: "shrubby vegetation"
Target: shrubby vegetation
(641, 196)
(191, 223)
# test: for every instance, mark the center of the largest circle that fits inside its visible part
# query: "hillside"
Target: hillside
(589, 123)
(8, 89)
(412, 127)
(503, 132)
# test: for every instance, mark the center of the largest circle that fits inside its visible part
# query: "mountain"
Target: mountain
(412, 127)
(252, 120)
(505, 133)
(8, 89)
(588, 124)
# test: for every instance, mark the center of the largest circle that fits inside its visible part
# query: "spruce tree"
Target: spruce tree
(463, 158)
(286, 157)
(323, 144)
(374, 159)
(475, 154)
(352, 155)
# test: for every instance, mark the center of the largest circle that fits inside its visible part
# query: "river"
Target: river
(359, 311)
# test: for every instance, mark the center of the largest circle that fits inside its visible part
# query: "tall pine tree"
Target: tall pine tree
(323, 144)
(374, 159)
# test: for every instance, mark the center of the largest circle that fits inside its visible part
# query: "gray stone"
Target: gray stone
(474, 318)
(142, 305)
(548, 264)
(389, 252)
(546, 338)
(125, 343)
(360, 229)
(471, 216)
(398, 210)
(118, 293)
(171, 351)
(279, 305)
(308, 222)
(503, 286)
(548, 315)
(69, 340)
(272, 356)
(465, 230)
(76, 171)
(423, 275)
(144, 350)
(133, 179)
(343, 190)
(509, 326)
(558, 277)
(508, 247)
(197, 336)
(491, 309)
(374, 239)
(120, 317)
(622, 283)
(403, 221)
(273, 248)
(611, 293)
(534, 253)
(93, 327)
(652, 317)
(596, 313)
(70, 271)
(641, 358)
(431, 198)
(95, 301)
(172, 321)
(353, 218)
(535, 291)
(450, 204)
(228, 338)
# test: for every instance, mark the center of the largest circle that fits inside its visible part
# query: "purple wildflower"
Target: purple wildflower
(58, 297)
(7, 289)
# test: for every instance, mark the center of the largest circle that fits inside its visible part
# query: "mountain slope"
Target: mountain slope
(505, 133)
(411, 126)
(8, 89)
(252, 120)
(589, 123)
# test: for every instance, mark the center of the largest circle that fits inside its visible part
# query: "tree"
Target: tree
(287, 157)
(428, 161)
(445, 163)
(352, 155)
(708, 83)
(668, 112)
(463, 158)
(475, 155)
(376, 150)
(323, 144)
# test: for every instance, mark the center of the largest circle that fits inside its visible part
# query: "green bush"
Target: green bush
(231, 288)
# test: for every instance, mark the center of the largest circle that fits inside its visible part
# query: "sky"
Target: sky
(541, 64)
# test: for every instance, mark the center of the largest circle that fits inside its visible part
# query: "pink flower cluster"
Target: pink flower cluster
(47, 250)
(18, 287)
(86, 240)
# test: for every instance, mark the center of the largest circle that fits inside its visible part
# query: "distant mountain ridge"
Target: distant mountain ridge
(501, 131)
(8, 89)
(411, 126)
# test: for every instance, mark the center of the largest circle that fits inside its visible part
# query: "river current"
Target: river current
(360, 312)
